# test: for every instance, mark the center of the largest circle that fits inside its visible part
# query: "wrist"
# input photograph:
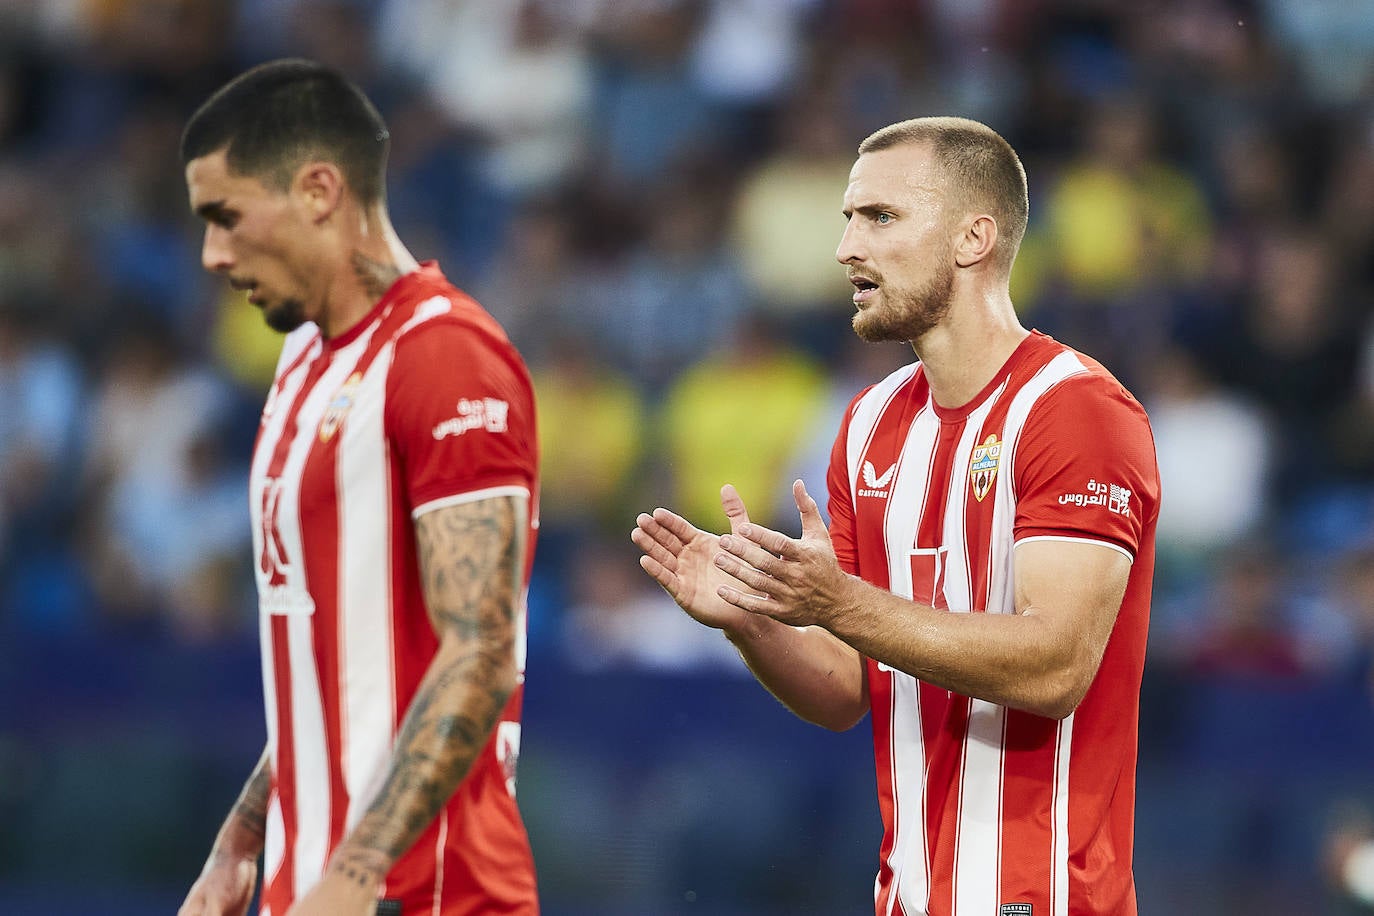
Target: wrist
(237, 841)
(358, 865)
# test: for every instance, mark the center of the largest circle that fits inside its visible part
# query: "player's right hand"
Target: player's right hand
(224, 888)
(682, 558)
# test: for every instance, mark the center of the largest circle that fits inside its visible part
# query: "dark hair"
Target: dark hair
(983, 167)
(272, 118)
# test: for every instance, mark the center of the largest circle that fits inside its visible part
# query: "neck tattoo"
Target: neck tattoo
(376, 276)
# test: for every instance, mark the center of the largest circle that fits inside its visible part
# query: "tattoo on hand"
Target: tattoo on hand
(472, 564)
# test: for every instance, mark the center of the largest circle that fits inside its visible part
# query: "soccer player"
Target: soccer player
(394, 500)
(983, 589)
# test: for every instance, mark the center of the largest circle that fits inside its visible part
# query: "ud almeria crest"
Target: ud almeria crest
(339, 407)
(982, 469)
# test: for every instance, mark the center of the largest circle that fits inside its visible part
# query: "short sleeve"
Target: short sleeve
(841, 501)
(1085, 466)
(460, 416)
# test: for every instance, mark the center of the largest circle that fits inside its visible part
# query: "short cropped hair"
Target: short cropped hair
(982, 166)
(275, 117)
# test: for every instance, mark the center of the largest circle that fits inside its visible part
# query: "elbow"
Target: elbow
(837, 718)
(1062, 692)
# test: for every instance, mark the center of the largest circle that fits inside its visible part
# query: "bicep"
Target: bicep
(1076, 586)
(472, 561)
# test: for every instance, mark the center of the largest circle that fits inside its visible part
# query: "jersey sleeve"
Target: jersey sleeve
(460, 416)
(841, 499)
(1085, 466)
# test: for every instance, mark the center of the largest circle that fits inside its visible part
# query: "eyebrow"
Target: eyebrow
(211, 210)
(868, 210)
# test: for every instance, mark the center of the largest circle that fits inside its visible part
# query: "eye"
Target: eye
(882, 219)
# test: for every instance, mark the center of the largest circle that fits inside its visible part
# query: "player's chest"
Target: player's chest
(322, 432)
(920, 480)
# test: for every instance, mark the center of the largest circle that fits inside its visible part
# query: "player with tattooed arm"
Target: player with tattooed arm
(394, 496)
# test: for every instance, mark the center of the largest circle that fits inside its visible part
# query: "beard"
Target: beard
(286, 316)
(907, 316)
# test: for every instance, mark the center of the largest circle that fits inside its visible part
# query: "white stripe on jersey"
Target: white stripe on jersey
(311, 756)
(472, 496)
(366, 670)
(1059, 853)
(908, 801)
(978, 833)
(905, 505)
(1101, 543)
(274, 845)
(439, 858)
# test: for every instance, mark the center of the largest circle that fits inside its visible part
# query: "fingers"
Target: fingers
(667, 530)
(775, 542)
(813, 524)
(678, 530)
(733, 504)
(754, 604)
(652, 548)
(660, 574)
(760, 582)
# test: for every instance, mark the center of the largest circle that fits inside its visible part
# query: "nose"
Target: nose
(214, 251)
(851, 245)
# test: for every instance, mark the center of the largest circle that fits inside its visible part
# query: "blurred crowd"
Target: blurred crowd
(647, 193)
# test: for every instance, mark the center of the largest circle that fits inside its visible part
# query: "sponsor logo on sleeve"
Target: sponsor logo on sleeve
(982, 468)
(1114, 497)
(1015, 909)
(479, 413)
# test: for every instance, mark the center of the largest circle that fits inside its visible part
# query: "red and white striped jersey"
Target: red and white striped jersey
(989, 811)
(423, 404)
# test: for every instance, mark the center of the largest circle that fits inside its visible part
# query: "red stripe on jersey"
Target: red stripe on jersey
(1028, 807)
(944, 718)
(283, 770)
(880, 704)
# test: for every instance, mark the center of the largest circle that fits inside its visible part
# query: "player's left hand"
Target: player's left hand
(799, 579)
(342, 891)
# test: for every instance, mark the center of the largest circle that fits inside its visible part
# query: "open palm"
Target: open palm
(681, 558)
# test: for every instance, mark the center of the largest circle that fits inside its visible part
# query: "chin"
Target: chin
(285, 317)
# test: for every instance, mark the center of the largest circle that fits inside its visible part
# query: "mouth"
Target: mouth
(864, 289)
(248, 286)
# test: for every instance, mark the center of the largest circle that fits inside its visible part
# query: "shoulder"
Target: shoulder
(1088, 389)
(448, 326)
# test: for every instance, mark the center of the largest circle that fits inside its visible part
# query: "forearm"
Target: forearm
(809, 670)
(244, 830)
(454, 711)
(1017, 660)
(471, 559)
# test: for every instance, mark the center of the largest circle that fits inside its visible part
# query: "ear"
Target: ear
(976, 242)
(321, 187)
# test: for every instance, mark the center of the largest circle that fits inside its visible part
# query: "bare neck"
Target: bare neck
(369, 261)
(969, 347)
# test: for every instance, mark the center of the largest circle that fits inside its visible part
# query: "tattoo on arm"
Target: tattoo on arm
(472, 559)
(245, 829)
(251, 808)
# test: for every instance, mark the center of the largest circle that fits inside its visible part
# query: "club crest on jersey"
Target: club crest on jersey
(338, 408)
(982, 468)
(876, 484)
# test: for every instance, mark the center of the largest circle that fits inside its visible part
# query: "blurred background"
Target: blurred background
(647, 194)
